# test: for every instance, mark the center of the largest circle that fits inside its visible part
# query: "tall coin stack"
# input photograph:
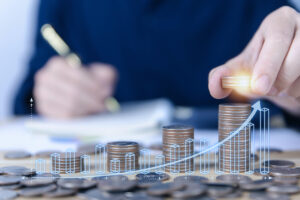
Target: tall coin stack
(234, 154)
(122, 156)
(66, 163)
(178, 142)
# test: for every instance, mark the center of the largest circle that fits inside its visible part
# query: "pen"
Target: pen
(58, 44)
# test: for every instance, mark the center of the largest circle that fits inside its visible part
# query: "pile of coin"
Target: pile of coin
(122, 156)
(234, 154)
(66, 163)
(178, 143)
(233, 82)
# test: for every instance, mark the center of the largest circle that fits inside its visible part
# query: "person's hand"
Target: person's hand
(273, 59)
(62, 91)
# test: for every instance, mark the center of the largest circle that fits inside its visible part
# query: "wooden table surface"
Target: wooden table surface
(292, 156)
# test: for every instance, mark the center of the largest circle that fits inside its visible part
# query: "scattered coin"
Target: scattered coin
(233, 178)
(116, 186)
(10, 187)
(112, 178)
(286, 180)
(233, 195)
(284, 189)
(17, 155)
(17, 171)
(7, 194)
(268, 196)
(219, 189)
(189, 179)
(76, 183)
(191, 190)
(33, 182)
(256, 185)
(140, 195)
(153, 176)
(286, 172)
(161, 189)
(36, 191)
(96, 194)
(10, 180)
(279, 163)
(60, 192)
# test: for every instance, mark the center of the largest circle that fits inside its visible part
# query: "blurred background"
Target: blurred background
(17, 22)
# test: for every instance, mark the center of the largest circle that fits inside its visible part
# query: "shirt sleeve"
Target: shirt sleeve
(50, 11)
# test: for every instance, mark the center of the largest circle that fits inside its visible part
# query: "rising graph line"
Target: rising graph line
(256, 107)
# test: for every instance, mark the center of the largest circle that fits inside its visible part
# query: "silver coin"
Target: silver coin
(60, 192)
(279, 163)
(217, 190)
(115, 178)
(153, 176)
(17, 155)
(116, 186)
(46, 153)
(189, 179)
(162, 189)
(233, 178)
(140, 195)
(286, 180)
(33, 182)
(191, 190)
(96, 194)
(286, 172)
(17, 171)
(268, 196)
(8, 194)
(10, 187)
(10, 180)
(284, 189)
(36, 191)
(76, 183)
(256, 185)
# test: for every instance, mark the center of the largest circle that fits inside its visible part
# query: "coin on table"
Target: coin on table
(112, 178)
(279, 163)
(17, 171)
(116, 186)
(262, 171)
(36, 191)
(10, 180)
(17, 155)
(284, 189)
(10, 187)
(191, 190)
(33, 182)
(60, 192)
(268, 196)
(161, 189)
(217, 190)
(233, 178)
(256, 185)
(96, 194)
(153, 176)
(8, 194)
(286, 180)
(140, 195)
(189, 179)
(76, 183)
(286, 172)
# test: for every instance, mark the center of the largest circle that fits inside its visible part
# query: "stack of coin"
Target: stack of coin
(234, 154)
(233, 82)
(124, 152)
(178, 142)
(66, 163)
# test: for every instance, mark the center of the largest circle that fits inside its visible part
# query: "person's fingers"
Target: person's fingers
(290, 69)
(278, 37)
(106, 76)
(294, 89)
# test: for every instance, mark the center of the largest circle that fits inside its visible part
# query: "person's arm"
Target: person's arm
(272, 57)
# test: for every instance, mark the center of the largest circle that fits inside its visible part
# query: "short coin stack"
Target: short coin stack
(233, 82)
(122, 156)
(234, 154)
(66, 163)
(178, 142)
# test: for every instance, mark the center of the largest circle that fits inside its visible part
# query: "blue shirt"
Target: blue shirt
(161, 48)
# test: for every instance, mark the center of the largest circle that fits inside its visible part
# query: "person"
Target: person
(138, 50)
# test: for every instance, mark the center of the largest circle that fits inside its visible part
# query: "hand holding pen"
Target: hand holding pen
(64, 89)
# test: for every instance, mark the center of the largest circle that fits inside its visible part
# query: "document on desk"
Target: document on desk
(133, 117)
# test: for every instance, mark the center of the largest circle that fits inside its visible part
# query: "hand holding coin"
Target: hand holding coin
(271, 60)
